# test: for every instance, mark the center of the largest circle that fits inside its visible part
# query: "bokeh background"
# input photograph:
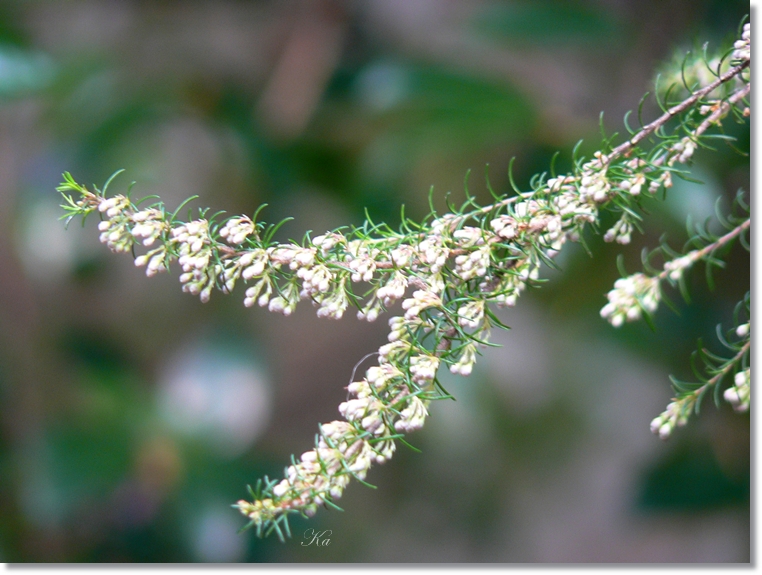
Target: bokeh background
(132, 416)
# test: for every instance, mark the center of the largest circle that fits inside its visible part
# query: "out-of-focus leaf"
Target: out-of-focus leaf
(548, 22)
(23, 72)
(690, 479)
(445, 112)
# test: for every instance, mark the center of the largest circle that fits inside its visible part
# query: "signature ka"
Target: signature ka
(317, 538)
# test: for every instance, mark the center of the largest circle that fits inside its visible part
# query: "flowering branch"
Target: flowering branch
(639, 292)
(689, 395)
(456, 265)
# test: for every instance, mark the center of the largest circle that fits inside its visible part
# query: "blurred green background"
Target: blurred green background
(132, 416)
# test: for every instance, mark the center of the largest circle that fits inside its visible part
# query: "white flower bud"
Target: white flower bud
(281, 489)
(731, 396)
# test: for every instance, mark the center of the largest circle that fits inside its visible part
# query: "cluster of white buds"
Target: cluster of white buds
(630, 296)
(665, 179)
(393, 289)
(402, 255)
(469, 237)
(412, 416)
(738, 395)
(155, 261)
(401, 328)
(365, 408)
(386, 293)
(384, 386)
(568, 203)
(113, 206)
(421, 300)
(370, 311)
(286, 301)
(327, 241)
(293, 256)
(465, 364)
(200, 282)
(594, 184)
(194, 248)
(511, 284)
(115, 231)
(423, 368)
(320, 474)
(682, 151)
(383, 449)
(334, 304)
(676, 267)
(445, 224)
(432, 253)
(236, 230)
(390, 382)
(149, 225)
(259, 293)
(676, 415)
(316, 280)
(742, 47)
(473, 264)
(634, 185)
(543, 220)
(394, 350)
(356, 453)
(319, 283)
(471, 314)
(620, 231)
(476, 262)
(194, 254)
(383, 375)
(505, 226)
(343, 450)
(361, 260)
(548, 226)
(358, 458)
(253, 263)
